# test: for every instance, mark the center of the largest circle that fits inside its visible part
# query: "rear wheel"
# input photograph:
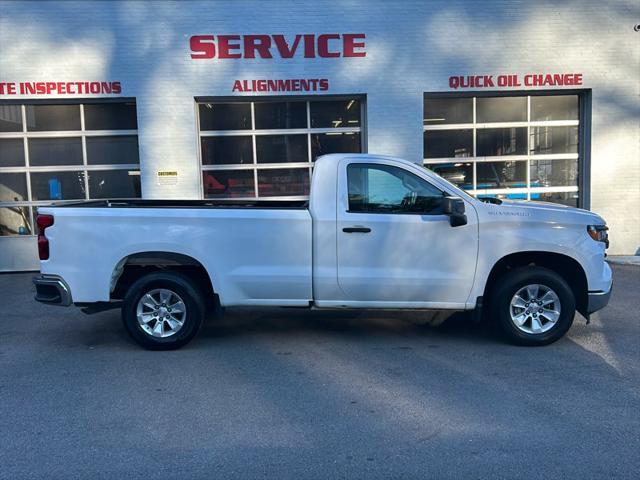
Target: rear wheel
(163, 310)
(533, 306)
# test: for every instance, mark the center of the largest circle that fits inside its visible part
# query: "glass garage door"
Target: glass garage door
(266, 148)
(516, 147)
(58, 152)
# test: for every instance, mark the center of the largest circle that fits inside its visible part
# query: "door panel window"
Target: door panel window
(15, 221)
(10, 118)
(282, 148)
(280, 115)
(13, 187)
(228, 183)
(501, 109)
(11, 152)
(283, 182)
(114, 184)
(332, 142)
(501, 175)
(335, 114)
(226, 150)
(47, 118)
(494, 142)
(50, 152)
(440, 111)
(57, 186)
(122, 150)
(460, 174)
(448, 143)
(388, 189)
(225, 116)
(549, 140)
(110, 116)
(554, 107)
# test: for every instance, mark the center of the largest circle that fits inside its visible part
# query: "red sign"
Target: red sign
(514, 80)
(60, 88)
(282, 85)
(307, 45)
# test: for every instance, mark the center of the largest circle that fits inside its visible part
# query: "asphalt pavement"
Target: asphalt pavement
(301, 394)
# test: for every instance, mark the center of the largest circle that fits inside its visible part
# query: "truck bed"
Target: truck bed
(211, 203)
(256, 252)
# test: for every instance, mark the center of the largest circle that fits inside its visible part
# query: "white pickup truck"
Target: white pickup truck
(377, 233)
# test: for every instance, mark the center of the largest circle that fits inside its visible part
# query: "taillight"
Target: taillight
(43, 222)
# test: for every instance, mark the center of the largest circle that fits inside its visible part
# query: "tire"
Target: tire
(163, 326)
(537, 328)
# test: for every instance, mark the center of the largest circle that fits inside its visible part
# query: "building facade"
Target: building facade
(520, 100)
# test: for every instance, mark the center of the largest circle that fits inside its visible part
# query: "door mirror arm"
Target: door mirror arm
(454, 208)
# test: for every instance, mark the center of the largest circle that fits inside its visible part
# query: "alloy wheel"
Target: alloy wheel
(161, 313)
(535, 309)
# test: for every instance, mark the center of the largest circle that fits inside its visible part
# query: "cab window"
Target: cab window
(375, 188)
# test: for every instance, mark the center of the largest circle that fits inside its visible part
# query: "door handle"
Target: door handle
(356, 230)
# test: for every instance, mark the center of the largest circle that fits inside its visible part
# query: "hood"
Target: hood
(517, 207)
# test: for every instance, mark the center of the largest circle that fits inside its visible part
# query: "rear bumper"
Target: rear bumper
(52, 290)
(598, 300)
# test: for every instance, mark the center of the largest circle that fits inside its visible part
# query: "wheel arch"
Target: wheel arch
(133, 266)
(564, 265)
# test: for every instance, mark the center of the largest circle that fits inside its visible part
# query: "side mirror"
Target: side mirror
(454, 207)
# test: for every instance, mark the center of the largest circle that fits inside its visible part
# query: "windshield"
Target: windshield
(457, 190)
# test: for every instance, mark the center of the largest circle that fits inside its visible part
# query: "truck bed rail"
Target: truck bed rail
(212, 203)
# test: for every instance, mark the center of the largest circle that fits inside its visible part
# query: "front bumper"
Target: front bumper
(598, 300)
(52, 290)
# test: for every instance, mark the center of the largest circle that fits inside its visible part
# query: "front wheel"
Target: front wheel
(533, 306)
(163, 310)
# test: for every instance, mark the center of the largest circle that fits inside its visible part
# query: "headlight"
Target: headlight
(599, 233)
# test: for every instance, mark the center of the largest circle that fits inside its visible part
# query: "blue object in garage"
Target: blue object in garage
(55, 189)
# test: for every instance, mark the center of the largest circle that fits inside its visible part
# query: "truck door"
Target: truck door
(395, 247)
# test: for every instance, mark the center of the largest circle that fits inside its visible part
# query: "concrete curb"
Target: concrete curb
(624, 259)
